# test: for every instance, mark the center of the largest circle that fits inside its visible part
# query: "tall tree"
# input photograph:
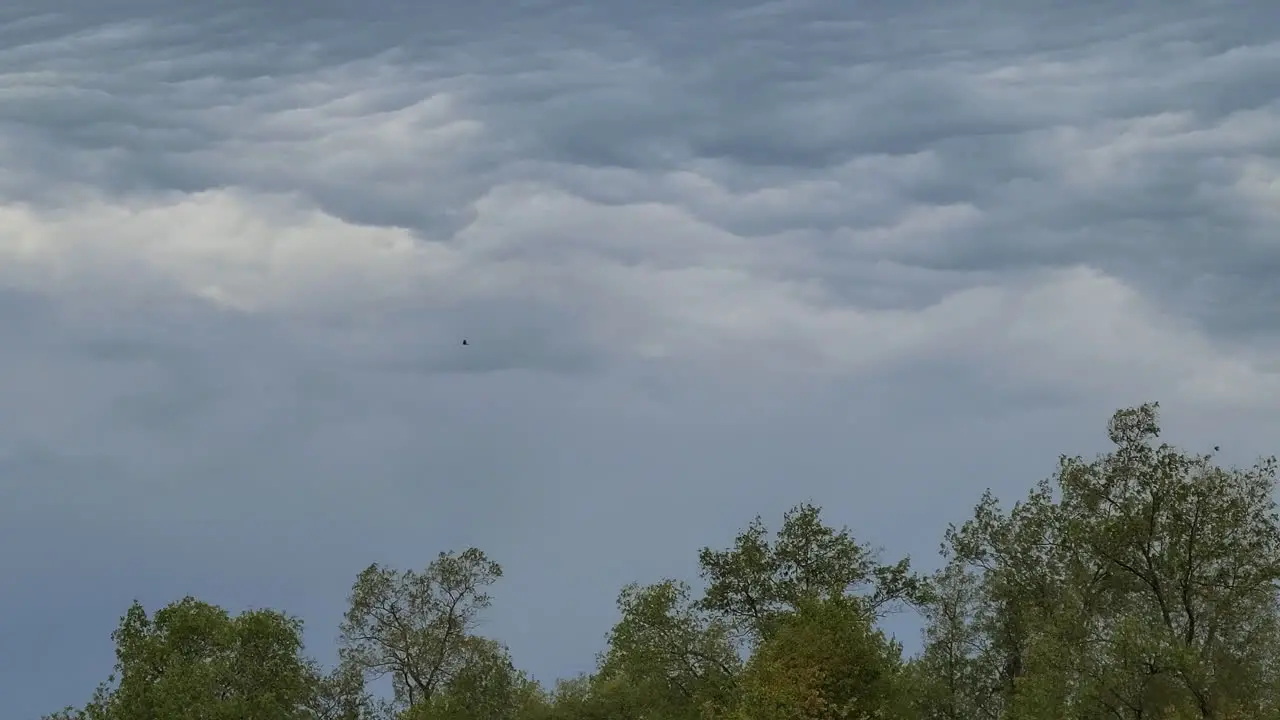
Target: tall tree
(824, 661)
(417, 627)
(757, 580)
(341, 695)
(194, 660)
(1142, 584)
(952, 676)
(487, 685)
(677, 658)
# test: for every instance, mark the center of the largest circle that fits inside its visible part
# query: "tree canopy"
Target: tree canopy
(1141, 584)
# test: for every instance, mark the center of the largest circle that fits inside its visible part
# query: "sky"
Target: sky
(712, 259)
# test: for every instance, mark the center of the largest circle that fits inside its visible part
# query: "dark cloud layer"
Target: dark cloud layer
(713, 259)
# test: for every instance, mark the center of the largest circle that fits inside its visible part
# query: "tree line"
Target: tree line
(1141, 584)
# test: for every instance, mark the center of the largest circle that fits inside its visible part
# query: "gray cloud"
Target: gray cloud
(711, 260)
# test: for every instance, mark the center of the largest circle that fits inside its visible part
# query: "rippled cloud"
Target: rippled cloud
(694, 250)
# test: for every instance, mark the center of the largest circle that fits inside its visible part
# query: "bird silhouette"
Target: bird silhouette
(464, 342)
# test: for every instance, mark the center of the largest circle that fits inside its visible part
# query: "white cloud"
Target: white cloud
(648, 279)
(1259, 186)
(1080, 328)
(245, 252)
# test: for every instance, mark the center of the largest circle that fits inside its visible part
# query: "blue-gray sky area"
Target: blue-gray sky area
(713, 259)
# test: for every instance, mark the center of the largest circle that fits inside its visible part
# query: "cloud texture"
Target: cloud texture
(712, 260)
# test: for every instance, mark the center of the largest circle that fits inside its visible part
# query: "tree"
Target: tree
(677, 658)
(952, 678)
(589, 697)
(1142, 585)
(341, 695)
(824, 661)
(416, 627)
(487, 685)
(194, 660)
(756, 581)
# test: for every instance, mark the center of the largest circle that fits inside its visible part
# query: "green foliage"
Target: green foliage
(677, 658)
(486, 685)
(953, 678)
(194, 660)
(340, 695)
(416, 627)
(824, 661)
(757, 581)
(1138, 585)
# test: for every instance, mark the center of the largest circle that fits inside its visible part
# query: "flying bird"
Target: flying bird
(464, 342)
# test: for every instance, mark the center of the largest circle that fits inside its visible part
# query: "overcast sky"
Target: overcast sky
(713, 259)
